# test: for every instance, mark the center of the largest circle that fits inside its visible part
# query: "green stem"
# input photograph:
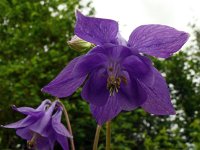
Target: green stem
(108, 135)
(96, 139)
(68, 125)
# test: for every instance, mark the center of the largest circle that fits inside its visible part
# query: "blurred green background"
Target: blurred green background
(33, 50)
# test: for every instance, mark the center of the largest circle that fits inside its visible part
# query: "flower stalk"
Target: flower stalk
(108, 134)
(68, 125)
(96, 139)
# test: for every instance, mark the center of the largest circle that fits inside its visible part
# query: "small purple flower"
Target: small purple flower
(116, 75)
(42, 127)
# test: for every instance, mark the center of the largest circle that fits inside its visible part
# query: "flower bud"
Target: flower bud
(79, 45)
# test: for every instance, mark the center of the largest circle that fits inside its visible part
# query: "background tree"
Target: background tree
(33, 51)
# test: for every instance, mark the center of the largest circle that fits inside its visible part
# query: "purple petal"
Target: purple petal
(33, 115)
(22, 123)
(41, 126)
(102, 49)
(65, 83)
(118, 52)
(95, 30)
(139, 68)
(65, 88)
(157, 40)
(28, 111)
(67, 72)
(63, 141)
(58, 126)
(94, 90)
(113, 51)
(107, 112)
(52, 139)
(24, 133)
(158, 101)
(88, 63)
(43, 105)
(33, 112)
(131, 94)
(42, 143)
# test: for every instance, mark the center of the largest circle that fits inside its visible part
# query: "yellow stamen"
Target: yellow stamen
(113, 84)
(31, 143)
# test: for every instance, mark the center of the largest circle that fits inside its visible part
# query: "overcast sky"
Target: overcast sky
(132, 13)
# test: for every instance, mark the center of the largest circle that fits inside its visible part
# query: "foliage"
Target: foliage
(33, 51)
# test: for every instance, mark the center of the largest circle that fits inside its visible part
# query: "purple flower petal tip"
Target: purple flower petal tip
(158, 101)
(105, 29)
(107, 112)
(65, 83)
(157, 40)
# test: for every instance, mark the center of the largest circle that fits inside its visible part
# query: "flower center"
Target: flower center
(113, 84)
(115, 77)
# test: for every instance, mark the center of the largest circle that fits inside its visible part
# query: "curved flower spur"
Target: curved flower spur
(116, 75)
(42, 127)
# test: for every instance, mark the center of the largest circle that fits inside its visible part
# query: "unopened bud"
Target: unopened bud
(79, 44)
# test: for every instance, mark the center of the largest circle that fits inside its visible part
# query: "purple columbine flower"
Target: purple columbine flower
(116, 74)
(42, 127)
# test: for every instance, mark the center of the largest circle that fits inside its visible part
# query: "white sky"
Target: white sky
(132, 13)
